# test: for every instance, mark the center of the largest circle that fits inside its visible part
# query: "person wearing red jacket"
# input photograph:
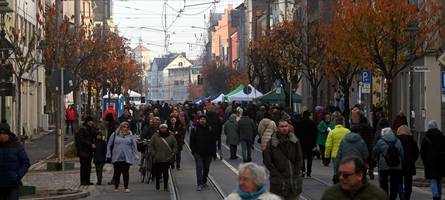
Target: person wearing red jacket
(70, 116)
(111, 110)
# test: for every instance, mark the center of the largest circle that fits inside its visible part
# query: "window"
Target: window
(180, 64)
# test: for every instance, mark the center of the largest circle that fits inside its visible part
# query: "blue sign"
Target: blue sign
(442, 80)
(366, 77)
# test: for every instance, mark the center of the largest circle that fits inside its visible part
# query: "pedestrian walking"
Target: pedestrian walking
(284, 159)
(353, 183)
(127, 117)
(399, 121)
(122, 150)
(231, 131)
(14, 164)
(247, 131)
(70, 117)
(85, 149)
(163, 148)
(324, 127)
(306, 131)
(202, 144)
(178, 130)
(432, 152)
(100, 155)
(366, 132)
(266, 128)
(352, 145)
(388, 152)
(333, 141)
(411, 154)
(252, 184)
(215, 122)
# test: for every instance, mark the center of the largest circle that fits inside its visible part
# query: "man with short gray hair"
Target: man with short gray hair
(252, 183)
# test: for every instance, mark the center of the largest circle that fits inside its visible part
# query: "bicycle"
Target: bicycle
(146, 161)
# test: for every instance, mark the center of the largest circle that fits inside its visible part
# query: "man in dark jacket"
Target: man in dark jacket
(353, 184)
(215, 122)
(365, 130)
(432, 152)
(411, 152)
(85, 147)
(247, 131)
(14, 164)
(284, 159)
(126, 117)
(202, 144)
(100, 153)
(306, 131)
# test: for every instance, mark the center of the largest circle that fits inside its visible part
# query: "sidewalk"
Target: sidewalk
(41, 148)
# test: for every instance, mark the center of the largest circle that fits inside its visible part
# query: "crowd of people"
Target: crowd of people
(289, 142)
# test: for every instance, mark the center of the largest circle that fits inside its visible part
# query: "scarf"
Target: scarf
(250, 196)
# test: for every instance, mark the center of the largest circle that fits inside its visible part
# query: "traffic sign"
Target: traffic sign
(55, 80)
(421, 69)
(366, 88)
(366, 77)
(441, 58)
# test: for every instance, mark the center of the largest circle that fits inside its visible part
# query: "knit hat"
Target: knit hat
(163, 126)
(404, 130)
(432, 124)
(386, 131)
(356, 115)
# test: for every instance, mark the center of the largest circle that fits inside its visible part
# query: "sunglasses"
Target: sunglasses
(345, 175)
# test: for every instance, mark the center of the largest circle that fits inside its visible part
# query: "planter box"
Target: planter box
(55, 166)
(27, 190)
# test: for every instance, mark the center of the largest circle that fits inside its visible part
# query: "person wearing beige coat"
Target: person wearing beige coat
(266, 128)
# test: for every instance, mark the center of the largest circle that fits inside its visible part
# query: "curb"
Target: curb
(79, 195)
(41, 162)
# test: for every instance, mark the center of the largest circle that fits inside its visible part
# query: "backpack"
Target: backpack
(392, 155)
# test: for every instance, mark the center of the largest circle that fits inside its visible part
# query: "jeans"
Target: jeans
(246, 148)
(99, 172)
(124, 169)
(308, 158)
(436, 187)
(85, 170)
(406, 186)
(9, 193)
(161, 169)
(178, 159)
(394, 177)
(322, 149)
(202, 168)
(68, 125)
(233, 150)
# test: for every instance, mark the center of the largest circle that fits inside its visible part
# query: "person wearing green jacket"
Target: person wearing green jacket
(333, 142)
(324, 127)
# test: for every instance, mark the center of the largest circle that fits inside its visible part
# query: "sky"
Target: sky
(137, 19)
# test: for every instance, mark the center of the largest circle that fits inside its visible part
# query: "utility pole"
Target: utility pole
(285, 10)
(268, 18)
(77, 26)
(58, 115)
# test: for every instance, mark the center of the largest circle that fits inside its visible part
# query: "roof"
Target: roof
(141, 48)
(163, 61)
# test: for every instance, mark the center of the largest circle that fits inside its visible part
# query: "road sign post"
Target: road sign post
(442, 85)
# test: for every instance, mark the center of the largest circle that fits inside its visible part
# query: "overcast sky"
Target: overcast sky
(137, 18)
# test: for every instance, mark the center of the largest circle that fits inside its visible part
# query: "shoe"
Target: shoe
(116, 190)
(127, 190)
(98, 183)
(199, 188)
(371, 176)
(205, 186)
(308, 175)
(178, 168)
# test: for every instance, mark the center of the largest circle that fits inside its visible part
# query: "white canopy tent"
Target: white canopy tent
(218, 99)
(246, 94)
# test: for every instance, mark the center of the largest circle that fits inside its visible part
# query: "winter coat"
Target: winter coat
(214, 122)
(179, 132)
(432, 145)
(306, 131)
(367, 192)
(100, 152)
(84, 141)
(124, 148)
(231, 131)
(247, 128)
(203, 141)
(160, 152)
(264, 196)
(148, 131)
(334, 139)
(14, 162)
(411, 152)
(265, 130)
(367, 134)
(380, 150)
(323, 132)
(131, 122)
(284, 159)
(352, 145)
(70, 114)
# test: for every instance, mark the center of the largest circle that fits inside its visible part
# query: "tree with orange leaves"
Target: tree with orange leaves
(389, 36)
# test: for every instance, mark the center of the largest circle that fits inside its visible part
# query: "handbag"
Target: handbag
(111, 150)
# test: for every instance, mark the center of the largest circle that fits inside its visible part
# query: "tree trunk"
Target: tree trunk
(389, 98)
(314, 98)
(88, 109)
(97, 106)
(346, 112)
(19, 107)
